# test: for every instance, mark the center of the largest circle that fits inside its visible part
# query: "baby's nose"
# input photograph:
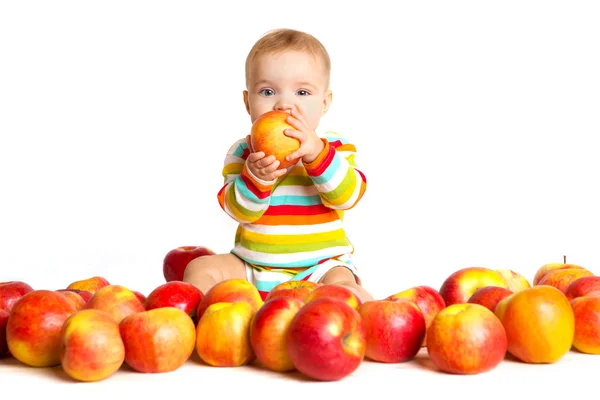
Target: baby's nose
(284, 106)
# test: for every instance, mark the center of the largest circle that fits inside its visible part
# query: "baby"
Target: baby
(290, 219)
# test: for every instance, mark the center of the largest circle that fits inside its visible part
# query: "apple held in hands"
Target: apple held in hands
(466, 339)
(326, 339)
(34, 326)
(158, 340)
(462, 284)
(395, 329)
(268, 331)
(429, 301)
(267, 136)
(91, 346)
(176, 260)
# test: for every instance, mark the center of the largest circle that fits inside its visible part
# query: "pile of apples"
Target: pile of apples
(477, 317)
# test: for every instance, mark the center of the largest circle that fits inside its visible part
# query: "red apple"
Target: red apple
(116, 300)
(267, 135)
(562, 278)
(582, 286)
(178, 294)
(326, 339)
(466, 339)
(10, 292)
(176, 260)
(268, 332)
(546, 268)
(3, 321)
(429, 301)
(34, 325)
(85, 295)
(335, 292)
(395, 329)
(460, 285)
(297, 289)
(76, 299)
(489, 296)
(586, 310)
(140, 296)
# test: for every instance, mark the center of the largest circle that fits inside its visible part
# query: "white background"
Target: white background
(476, 125)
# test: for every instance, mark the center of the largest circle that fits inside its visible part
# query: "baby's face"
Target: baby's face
(285, 81)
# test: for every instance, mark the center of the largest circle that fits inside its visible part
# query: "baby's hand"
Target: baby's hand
(264, 168)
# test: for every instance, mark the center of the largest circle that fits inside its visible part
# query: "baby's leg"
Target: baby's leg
(206, 271)
(344, 277)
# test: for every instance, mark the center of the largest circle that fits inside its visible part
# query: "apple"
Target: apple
(539, 324)
(268, 332)
(140, 296)
(586, 310)
(544, 269)
(326, 339)
(91, 348)
(85, 295)
(582, 286)
(297, 289)
(562, 278)
(3, 321)
(267, 135)
(395, 329)
(460, 285)
(89, 284)
(177, 259)
(116, 300)
(10, 292)
(335, 292)
(76, 299)
(516, 282)
(34, 325)
(429, 301)
(466, 339)
(489, 296)
(158, 340)
(223, 334)
(228, 291)
(178, 294)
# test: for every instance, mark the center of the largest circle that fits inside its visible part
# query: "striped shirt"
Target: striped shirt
(296, 220)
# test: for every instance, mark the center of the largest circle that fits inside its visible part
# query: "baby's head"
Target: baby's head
(288, 69)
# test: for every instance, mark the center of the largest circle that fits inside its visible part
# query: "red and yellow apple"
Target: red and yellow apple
(228, 291)
(177, 259)
(562, 278)
(223, 334)
(544, 269)
(158, 340)
(466, 339)
(10, 292)
(178, 294)
(268, 331)
(3, 321)
(140, 296)
(34, 326)
(297, 289)
(91, 348)
(395, 329)
(116, 300)
(516, 282)
(85, 295)
(582, 286)
(489, 296)
(267, 135)
(460, 285)
(73, 297)
(587, 324)
(334, 292)
(89, 284)
(326, 339)
(539, 324)
(429, 301)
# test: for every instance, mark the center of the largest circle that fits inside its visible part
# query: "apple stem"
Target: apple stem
(564, 259)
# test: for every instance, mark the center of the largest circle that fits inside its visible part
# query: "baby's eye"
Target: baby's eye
(267, 92)
(303, 92)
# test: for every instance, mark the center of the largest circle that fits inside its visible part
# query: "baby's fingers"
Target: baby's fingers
(254, 157)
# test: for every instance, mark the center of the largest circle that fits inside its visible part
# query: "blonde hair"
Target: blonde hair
(279, 40)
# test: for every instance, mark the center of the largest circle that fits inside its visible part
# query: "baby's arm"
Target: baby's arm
(244, 197)
(340, 183)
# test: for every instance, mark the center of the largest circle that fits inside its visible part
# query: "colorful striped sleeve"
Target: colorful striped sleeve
(243, 196)
(340, 183)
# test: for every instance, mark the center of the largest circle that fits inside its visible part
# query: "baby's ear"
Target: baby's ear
(327, 101)
(246, 103)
